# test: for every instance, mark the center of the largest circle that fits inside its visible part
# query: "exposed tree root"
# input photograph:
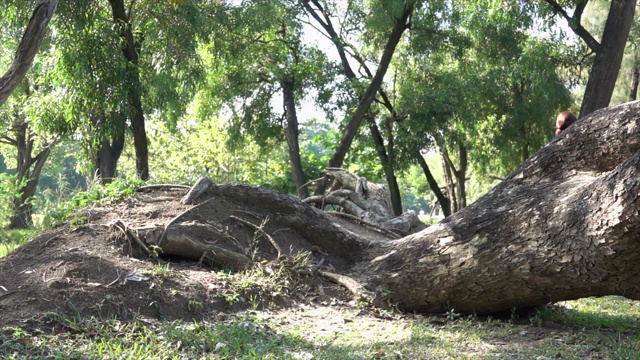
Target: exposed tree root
(375, 227)
(162, 186)
(118, 224)
(261, 232)
(178, 217)
(358, 291)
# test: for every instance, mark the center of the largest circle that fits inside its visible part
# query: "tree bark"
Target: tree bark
(28, 47)
(387, 165)
(136, 114)
(444, 202)
(635, 79)
(606, 65)
(292, 135)
(367, 98)
(564, 225)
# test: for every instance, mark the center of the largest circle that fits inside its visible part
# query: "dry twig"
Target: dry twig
(261, 232)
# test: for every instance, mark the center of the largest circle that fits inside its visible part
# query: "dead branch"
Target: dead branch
(162, 186)
(176, 218)
(118, 224)
(374, 227)
(358, 291)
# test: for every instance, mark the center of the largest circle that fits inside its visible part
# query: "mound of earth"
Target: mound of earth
(97, 265)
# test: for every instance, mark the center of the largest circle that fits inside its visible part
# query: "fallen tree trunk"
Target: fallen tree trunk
(565, 225)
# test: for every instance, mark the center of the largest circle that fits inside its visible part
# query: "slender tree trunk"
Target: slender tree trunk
(444, 202)
(367, 98)
(387, 165)
(606, 65)
(28, 47)
(635, 78)
(136, 113)
(291, 133)
(461, 176)
(449, 178)
(326, 23)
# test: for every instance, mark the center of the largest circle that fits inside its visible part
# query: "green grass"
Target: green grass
(12, 239)
(603, 328)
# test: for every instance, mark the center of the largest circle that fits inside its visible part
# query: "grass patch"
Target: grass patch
(315, 332)
(12, 239)
(614, 313)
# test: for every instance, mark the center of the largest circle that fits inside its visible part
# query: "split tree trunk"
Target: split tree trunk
(386, 158)
(387, 165)
(445, 203)
(28, 174)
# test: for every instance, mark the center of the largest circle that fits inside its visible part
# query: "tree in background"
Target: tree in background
(258, 58)
(135, 58)
(31, 120)
(394, 18)
(26, 51)
(487, 94)
(608, 51)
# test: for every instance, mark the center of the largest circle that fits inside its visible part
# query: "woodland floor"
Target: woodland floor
(85, 269)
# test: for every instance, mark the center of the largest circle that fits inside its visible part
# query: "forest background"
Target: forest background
(438, 100)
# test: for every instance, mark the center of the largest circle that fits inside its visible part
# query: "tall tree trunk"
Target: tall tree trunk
(28, 173)
(367, 98)
(291, 133)
(387, 165)
(449, 178)
(28, 47)
(444, 202)
(136, 114)
(606, 65)
(635, 79)
(461, 176)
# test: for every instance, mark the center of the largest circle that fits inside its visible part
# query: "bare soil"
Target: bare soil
(86, 268)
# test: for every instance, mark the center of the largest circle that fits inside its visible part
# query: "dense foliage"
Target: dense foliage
(263, 92)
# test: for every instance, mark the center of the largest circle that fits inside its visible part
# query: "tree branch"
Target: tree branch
(367, 98)
(575, 22)
(28, 47)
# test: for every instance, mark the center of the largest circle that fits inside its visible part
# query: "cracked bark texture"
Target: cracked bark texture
(564, 225)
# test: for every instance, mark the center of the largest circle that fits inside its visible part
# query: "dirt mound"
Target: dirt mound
(89, 268)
